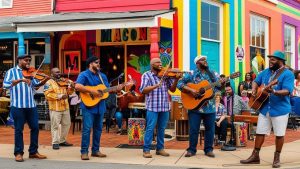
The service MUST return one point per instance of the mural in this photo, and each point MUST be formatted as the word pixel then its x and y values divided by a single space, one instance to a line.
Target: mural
pixel 165 52
pixel 138 62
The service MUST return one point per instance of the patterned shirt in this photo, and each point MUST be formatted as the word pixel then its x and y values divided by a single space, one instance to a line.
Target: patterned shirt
pixel 88 78
pixel 277 105
pixel 21 95
pixel 196 78
pixel 53 93
pixel 220 110
pixel 158 99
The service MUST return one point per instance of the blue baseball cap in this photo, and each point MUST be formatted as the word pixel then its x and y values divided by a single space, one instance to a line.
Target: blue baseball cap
pixel 278 54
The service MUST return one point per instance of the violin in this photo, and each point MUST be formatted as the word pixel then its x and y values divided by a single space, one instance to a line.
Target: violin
pixel 65 82
pixel 170 72
pixel 33 73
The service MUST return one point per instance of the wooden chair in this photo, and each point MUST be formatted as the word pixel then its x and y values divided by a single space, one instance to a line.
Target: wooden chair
pixel 77 119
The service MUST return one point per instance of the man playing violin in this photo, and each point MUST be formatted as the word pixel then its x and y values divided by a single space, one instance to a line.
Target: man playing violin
pixel 23 107
pixel 207 112
pixel 274 113
pixel 157 104
pixel 92 116
pixel 57 97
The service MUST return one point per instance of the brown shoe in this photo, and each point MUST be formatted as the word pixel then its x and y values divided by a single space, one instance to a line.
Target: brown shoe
pixel 37 156
pixel 162 152
pixel 253 159
pixel 99 154
pixel 210 154
pixel 276 161
pixel 19 158
pixel 147 154
pixel 189 154
pixel 85 157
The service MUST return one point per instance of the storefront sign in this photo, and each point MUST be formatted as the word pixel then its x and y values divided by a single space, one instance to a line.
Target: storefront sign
pixel 239 53
pixel 125 35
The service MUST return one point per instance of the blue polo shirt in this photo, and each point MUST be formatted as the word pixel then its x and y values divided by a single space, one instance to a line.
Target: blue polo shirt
pixel 277 105
pixel 88 78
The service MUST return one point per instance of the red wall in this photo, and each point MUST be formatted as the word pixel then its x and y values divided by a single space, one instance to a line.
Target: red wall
pixel 27 7
pixel 110 5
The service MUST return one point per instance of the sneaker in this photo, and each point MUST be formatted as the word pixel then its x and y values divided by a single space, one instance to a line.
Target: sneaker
pixel 162 152
pixel 147 154
pixel 55 146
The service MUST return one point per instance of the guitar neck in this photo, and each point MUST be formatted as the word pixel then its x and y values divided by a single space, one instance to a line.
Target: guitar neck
pixel 213 85
pixel 115 87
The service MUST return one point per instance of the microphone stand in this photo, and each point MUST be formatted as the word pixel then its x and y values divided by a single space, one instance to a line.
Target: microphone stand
pixel 230 146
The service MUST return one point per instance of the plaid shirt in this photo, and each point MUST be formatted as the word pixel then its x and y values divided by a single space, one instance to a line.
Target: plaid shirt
pixel 158 99
pixel 196 78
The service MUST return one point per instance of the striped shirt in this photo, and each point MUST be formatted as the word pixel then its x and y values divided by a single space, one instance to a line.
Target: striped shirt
pixel 158 99
pixel 53 93
pixel 21 95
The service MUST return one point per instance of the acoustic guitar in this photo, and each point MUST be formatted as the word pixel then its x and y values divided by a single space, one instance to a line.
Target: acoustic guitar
pixel 90 100
pixel 206 92
pixel 261 96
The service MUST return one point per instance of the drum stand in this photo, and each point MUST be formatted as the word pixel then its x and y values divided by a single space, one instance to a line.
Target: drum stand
pixel 230 146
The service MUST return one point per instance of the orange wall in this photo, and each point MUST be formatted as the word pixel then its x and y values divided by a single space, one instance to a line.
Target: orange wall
pixel 27 7
pixel 264 9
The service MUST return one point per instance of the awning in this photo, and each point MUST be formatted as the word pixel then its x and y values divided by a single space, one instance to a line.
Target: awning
pixel 92 21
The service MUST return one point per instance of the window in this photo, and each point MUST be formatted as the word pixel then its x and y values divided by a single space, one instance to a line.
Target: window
pixel 289 44
pixel 258 42
pixel 210 21
pixel 6 3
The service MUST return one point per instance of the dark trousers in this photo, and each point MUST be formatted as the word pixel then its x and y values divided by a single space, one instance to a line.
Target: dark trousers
pixel 21 116
pixel 222 130
pixel 195 118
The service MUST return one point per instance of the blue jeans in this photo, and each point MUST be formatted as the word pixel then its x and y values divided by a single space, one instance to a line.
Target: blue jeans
pixel 90 121
pixel 209 123
pixel 20 116
pixel 161 118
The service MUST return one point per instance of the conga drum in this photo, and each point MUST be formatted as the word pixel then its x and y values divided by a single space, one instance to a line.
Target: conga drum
pixel 182 130
pixel 241 134
pixel 178 111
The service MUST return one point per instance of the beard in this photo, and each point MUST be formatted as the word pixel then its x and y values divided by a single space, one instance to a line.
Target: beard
pixel 156 69
pixel 275 67
pixel 203 66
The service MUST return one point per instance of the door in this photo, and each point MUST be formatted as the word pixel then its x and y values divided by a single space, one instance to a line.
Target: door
pixel 212 51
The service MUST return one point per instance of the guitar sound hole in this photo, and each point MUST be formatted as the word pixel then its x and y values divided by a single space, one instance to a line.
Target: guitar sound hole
pixel 201 93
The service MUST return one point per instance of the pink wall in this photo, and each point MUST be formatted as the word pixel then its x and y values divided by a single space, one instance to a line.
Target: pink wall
pixel 110 5
pixel 26 7
pixel 263 9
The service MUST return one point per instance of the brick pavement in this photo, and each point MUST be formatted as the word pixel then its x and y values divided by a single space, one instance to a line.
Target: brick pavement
pixel 112 139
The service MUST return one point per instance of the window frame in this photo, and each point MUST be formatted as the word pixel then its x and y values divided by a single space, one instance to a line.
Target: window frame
pixel 292 30
pixel 3 7
pixel 266 35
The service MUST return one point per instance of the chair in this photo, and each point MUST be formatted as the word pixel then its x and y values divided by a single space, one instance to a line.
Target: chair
pixel 4 110
pixel 76 119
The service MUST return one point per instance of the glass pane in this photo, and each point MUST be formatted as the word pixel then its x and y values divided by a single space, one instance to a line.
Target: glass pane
pixel 214 31
pixel 257 58
pixel 205 29
pixel 257 40
pixel 252 31
pixel 214 14
pixel 288 56
pixel 205 11
pixel 262 33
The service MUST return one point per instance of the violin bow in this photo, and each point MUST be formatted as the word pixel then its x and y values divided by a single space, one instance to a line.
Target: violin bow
pixel 163 77
pixel 39 67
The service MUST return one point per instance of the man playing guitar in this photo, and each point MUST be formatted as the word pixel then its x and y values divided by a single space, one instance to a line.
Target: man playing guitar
pixel 275 111
pixel 92 116
pixel 207 112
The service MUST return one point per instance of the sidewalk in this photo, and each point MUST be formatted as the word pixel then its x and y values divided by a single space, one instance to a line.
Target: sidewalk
pixel 290 157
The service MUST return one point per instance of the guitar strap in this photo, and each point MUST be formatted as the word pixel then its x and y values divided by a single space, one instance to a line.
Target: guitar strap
pixel 278 74
pixel 101 78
